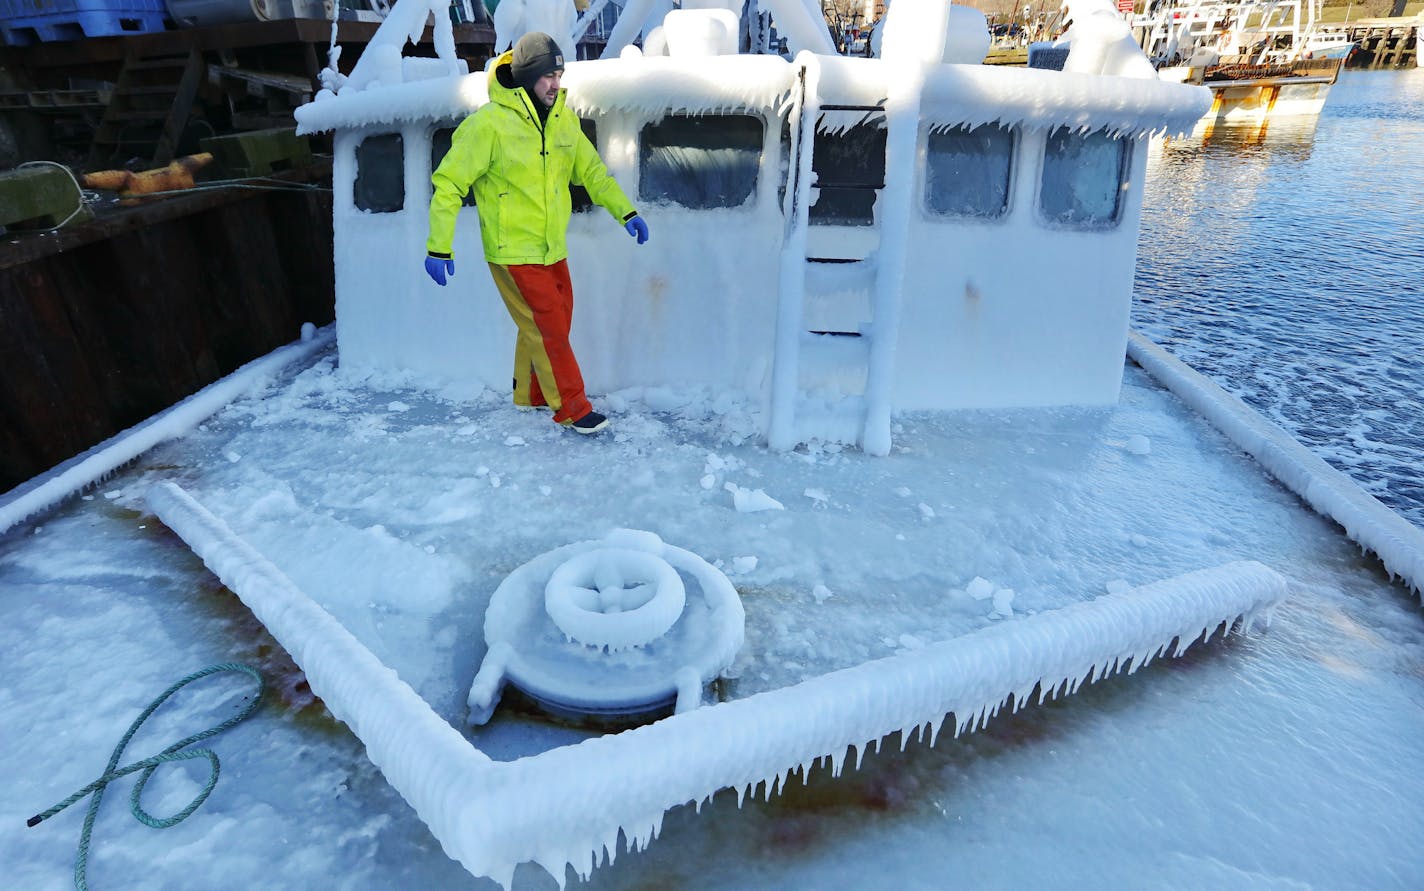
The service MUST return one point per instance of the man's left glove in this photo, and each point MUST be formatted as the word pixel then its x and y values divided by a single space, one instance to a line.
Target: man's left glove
pixel 637 228
pixel 439 267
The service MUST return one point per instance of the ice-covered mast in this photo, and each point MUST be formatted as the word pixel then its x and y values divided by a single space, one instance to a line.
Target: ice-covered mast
pixel 381 60
pixel 803 28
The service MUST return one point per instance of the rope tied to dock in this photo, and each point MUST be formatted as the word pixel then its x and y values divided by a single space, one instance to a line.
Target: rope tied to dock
pixel 175 752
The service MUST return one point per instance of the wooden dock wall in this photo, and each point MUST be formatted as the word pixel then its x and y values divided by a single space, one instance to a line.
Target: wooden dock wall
pixel 105 324
pixel 1380 43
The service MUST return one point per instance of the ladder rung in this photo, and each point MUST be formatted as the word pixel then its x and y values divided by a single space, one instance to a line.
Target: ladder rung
pixel 854 277
pixel 849 187
pixel 851 108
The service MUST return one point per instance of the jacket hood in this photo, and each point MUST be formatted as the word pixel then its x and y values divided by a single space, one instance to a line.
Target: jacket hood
pixel 502 88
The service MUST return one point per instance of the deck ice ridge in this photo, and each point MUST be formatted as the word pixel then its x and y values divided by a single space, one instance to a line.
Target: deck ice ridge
pixel 1398 543
pixel 569 806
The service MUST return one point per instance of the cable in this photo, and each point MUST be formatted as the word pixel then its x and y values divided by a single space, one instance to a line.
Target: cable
pixel 84 196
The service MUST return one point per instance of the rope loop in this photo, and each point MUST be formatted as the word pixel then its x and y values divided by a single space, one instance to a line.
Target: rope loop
pixel 175 752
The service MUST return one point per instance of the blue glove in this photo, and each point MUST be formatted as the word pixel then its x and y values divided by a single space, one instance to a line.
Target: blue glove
pixel 437 268
pixel 637 228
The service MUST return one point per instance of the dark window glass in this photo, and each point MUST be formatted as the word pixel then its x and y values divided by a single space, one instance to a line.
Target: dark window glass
pixel 380 174
pixel 967 171
pixel 439 147
pixel 704 161
pixel 849 168
pixel 578 194
pixel 1084 178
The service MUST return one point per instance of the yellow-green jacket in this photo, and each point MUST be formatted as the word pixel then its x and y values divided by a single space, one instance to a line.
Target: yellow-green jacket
pixel 521 174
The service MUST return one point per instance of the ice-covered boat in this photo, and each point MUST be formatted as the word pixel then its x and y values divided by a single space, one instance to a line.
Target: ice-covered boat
pixel 366 527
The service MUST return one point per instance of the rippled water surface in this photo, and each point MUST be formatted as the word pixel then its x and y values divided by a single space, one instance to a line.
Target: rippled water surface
pixel 1288 264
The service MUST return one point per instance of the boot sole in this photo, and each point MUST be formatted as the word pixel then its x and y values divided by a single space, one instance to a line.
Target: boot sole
pixel 589 431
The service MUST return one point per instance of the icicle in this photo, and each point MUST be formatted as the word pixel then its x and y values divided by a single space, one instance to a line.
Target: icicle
pixel 859 755
pixel 934 728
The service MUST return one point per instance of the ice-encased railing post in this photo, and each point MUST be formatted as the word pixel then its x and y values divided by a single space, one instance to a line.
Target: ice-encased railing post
pixel 1398 543
pixel 568 805
pixel 433 767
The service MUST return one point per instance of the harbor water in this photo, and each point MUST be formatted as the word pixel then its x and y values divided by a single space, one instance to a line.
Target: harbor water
pixel 1287 263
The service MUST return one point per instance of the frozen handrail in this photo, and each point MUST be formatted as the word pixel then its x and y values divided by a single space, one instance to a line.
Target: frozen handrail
pixel 1398 543
pixel 569 805
pixel 99 462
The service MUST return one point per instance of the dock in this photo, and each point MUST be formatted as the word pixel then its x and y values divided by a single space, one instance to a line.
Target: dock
pixel 1379 43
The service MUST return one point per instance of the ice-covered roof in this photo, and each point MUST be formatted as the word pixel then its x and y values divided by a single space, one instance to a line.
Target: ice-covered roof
pixel 953 94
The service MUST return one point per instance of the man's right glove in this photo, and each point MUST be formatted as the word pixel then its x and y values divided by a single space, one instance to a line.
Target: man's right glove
pixel 439 267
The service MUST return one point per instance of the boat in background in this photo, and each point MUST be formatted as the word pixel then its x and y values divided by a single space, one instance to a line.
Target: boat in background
pixel 1322 45
pixel 1259 57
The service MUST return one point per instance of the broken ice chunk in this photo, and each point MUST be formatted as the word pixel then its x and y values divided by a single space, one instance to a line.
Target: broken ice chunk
pixel 820 593
pixel 1138 444
pixel 1004 602
pixel 980 588
pixel 744 564
pixel 751 500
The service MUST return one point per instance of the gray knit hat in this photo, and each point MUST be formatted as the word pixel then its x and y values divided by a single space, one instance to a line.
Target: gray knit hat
pixel 535 55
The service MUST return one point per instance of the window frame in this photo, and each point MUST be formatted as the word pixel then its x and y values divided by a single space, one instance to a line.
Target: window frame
pixel 356 152
pixel 1123 182
pixel 1011 174
pixel 753 194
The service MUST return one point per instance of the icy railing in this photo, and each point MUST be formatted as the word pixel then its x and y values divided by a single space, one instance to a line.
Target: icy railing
pixel 1398 543
pixel 96 464
pixel 567 806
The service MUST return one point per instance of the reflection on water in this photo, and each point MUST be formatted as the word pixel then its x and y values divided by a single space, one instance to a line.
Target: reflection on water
pixel 1285 261
pixel 1289 136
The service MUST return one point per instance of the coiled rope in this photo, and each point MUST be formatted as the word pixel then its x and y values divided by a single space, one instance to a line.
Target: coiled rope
pixel 175 752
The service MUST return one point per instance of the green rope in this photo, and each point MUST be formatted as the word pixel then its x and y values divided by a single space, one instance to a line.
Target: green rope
pixel 148 765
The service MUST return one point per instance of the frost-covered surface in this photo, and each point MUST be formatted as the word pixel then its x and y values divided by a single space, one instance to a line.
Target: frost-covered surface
pixel 399 512
pixel 569 807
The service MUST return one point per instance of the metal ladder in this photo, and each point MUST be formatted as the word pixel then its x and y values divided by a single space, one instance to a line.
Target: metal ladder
pixel 796 414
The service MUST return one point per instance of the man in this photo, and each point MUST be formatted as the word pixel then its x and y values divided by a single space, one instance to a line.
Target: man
pixel 521 151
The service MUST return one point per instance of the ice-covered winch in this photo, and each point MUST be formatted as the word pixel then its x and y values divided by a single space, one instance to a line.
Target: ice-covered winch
pixel 622 629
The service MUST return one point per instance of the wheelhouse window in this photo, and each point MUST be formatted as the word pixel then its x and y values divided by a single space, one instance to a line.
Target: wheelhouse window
pixel 380 174
pixel 1084 179
pixel 439 148
pixel 702 161
pixel 967 171
pixel 849 166
pixel 578 195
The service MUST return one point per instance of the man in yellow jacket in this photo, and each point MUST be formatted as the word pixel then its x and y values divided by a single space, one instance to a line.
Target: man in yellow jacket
pixel 520 151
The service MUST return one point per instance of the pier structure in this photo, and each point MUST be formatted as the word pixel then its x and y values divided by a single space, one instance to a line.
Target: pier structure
pixel 1379 43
